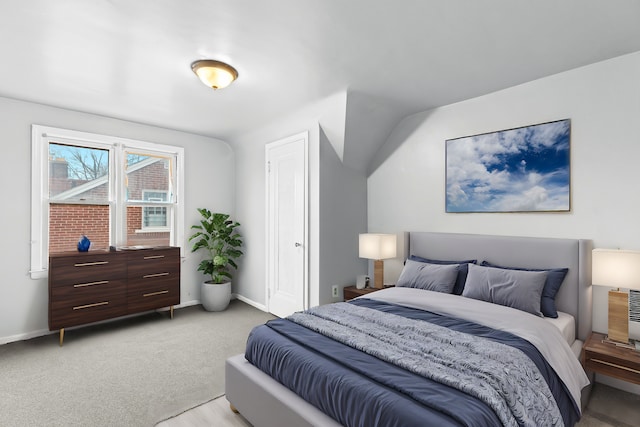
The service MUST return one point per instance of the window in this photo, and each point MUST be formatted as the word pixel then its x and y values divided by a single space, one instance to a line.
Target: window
pixel 154 217
pixel 116 191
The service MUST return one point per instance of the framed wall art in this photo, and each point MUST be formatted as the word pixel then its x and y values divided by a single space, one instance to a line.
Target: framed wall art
pixel 526 169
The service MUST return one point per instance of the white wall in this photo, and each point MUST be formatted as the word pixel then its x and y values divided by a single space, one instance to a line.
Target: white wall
pixel 406 192
pixel 343 215
pixel 209 167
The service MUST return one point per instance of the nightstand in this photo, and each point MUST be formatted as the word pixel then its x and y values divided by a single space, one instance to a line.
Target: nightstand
pixel 609 359
pixel 350 292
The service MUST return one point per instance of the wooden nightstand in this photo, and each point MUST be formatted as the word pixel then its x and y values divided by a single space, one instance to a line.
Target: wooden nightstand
pixel 608 359
pixel 350 292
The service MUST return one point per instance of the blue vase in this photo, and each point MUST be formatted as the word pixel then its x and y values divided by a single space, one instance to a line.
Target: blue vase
pixel 84 243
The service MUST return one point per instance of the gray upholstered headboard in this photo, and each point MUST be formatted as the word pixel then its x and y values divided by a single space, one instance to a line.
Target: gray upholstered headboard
pixel 574 296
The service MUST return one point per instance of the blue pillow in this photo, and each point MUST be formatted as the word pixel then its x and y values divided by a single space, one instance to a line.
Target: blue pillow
pixel 462 270
pixel 555 278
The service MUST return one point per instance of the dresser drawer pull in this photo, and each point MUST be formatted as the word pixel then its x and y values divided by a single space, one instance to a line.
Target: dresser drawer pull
pixel 154 257
pixel 149 276
pixel 152 294
pixel 82 285
pixel 635 371
pixel 88 264
pixel 80 307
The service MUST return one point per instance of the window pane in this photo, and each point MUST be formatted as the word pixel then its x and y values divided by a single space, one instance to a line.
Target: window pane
pixel 149 180
pixel 78 173
pixel 68 222
pixel 137 235
pixel 148 174
pixel 154 216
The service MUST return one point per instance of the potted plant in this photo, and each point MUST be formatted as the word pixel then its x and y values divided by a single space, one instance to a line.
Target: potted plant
pixel 217 236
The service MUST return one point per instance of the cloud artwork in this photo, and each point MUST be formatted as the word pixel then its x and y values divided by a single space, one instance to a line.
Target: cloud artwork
pixel 517 170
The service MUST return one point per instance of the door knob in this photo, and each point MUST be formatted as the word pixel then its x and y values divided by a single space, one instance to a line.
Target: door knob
pixel 298 244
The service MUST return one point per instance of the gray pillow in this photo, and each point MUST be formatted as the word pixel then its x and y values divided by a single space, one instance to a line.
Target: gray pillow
pixel 511 288
pixel 432 277
pixel 462 270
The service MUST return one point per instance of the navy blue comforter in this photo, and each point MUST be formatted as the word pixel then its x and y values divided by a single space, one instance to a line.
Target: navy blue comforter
pixel 357 389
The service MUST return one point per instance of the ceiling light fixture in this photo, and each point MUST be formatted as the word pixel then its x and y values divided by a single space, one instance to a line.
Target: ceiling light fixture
pixel 215 74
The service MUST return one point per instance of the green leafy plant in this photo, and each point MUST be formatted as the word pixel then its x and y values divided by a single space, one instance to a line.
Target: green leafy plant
pixel 216 234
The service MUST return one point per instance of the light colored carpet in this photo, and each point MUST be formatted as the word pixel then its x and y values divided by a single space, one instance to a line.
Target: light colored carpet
pixel 132 372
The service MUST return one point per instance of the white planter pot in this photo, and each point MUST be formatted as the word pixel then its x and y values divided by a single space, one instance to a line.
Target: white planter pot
pixel 215 296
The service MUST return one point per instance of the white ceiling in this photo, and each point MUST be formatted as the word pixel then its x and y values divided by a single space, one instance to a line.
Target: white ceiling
pixel 130 59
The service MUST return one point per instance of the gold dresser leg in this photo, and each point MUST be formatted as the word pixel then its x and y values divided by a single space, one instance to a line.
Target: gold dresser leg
pixel 233 409
pixel 61 336
pixel 171 310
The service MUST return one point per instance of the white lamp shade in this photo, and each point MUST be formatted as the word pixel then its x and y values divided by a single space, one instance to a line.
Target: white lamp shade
pixel 616 268
pixel 377 246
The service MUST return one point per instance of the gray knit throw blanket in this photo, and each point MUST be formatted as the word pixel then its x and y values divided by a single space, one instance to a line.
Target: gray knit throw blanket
pixel 501 376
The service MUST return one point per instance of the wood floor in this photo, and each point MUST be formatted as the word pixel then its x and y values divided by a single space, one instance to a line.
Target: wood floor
pixel 214 413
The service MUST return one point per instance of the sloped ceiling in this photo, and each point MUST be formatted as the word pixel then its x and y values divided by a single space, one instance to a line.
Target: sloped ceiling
pixel 131 59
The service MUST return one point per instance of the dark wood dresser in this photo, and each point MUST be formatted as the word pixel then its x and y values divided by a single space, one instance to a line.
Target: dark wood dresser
pixel 86 287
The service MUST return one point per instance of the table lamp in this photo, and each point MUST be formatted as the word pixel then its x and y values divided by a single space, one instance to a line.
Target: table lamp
pixel 377 247
pixel 620 269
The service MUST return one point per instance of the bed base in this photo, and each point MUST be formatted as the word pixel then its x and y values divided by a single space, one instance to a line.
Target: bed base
pixel 265 402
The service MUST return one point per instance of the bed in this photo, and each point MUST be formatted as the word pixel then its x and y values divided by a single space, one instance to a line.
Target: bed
pixel 344 390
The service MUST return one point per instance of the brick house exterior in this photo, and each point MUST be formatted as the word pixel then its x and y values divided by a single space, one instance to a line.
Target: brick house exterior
pixel 69 221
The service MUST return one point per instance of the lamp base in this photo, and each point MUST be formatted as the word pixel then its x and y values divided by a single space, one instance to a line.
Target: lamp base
pixel 378 274
pixel 618 317
pixel 630 344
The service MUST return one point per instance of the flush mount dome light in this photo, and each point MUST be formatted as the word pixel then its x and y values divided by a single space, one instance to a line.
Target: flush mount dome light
pixel 215 74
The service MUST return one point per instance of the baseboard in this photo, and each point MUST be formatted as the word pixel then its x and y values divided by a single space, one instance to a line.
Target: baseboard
pixel 260 307
pixel 246 300
pixel 43 332
pixel 25 336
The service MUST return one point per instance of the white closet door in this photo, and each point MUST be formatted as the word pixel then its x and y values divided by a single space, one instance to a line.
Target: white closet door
pixel 286 169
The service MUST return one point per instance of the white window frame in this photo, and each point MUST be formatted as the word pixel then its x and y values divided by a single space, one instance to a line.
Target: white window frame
pixel 41 136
